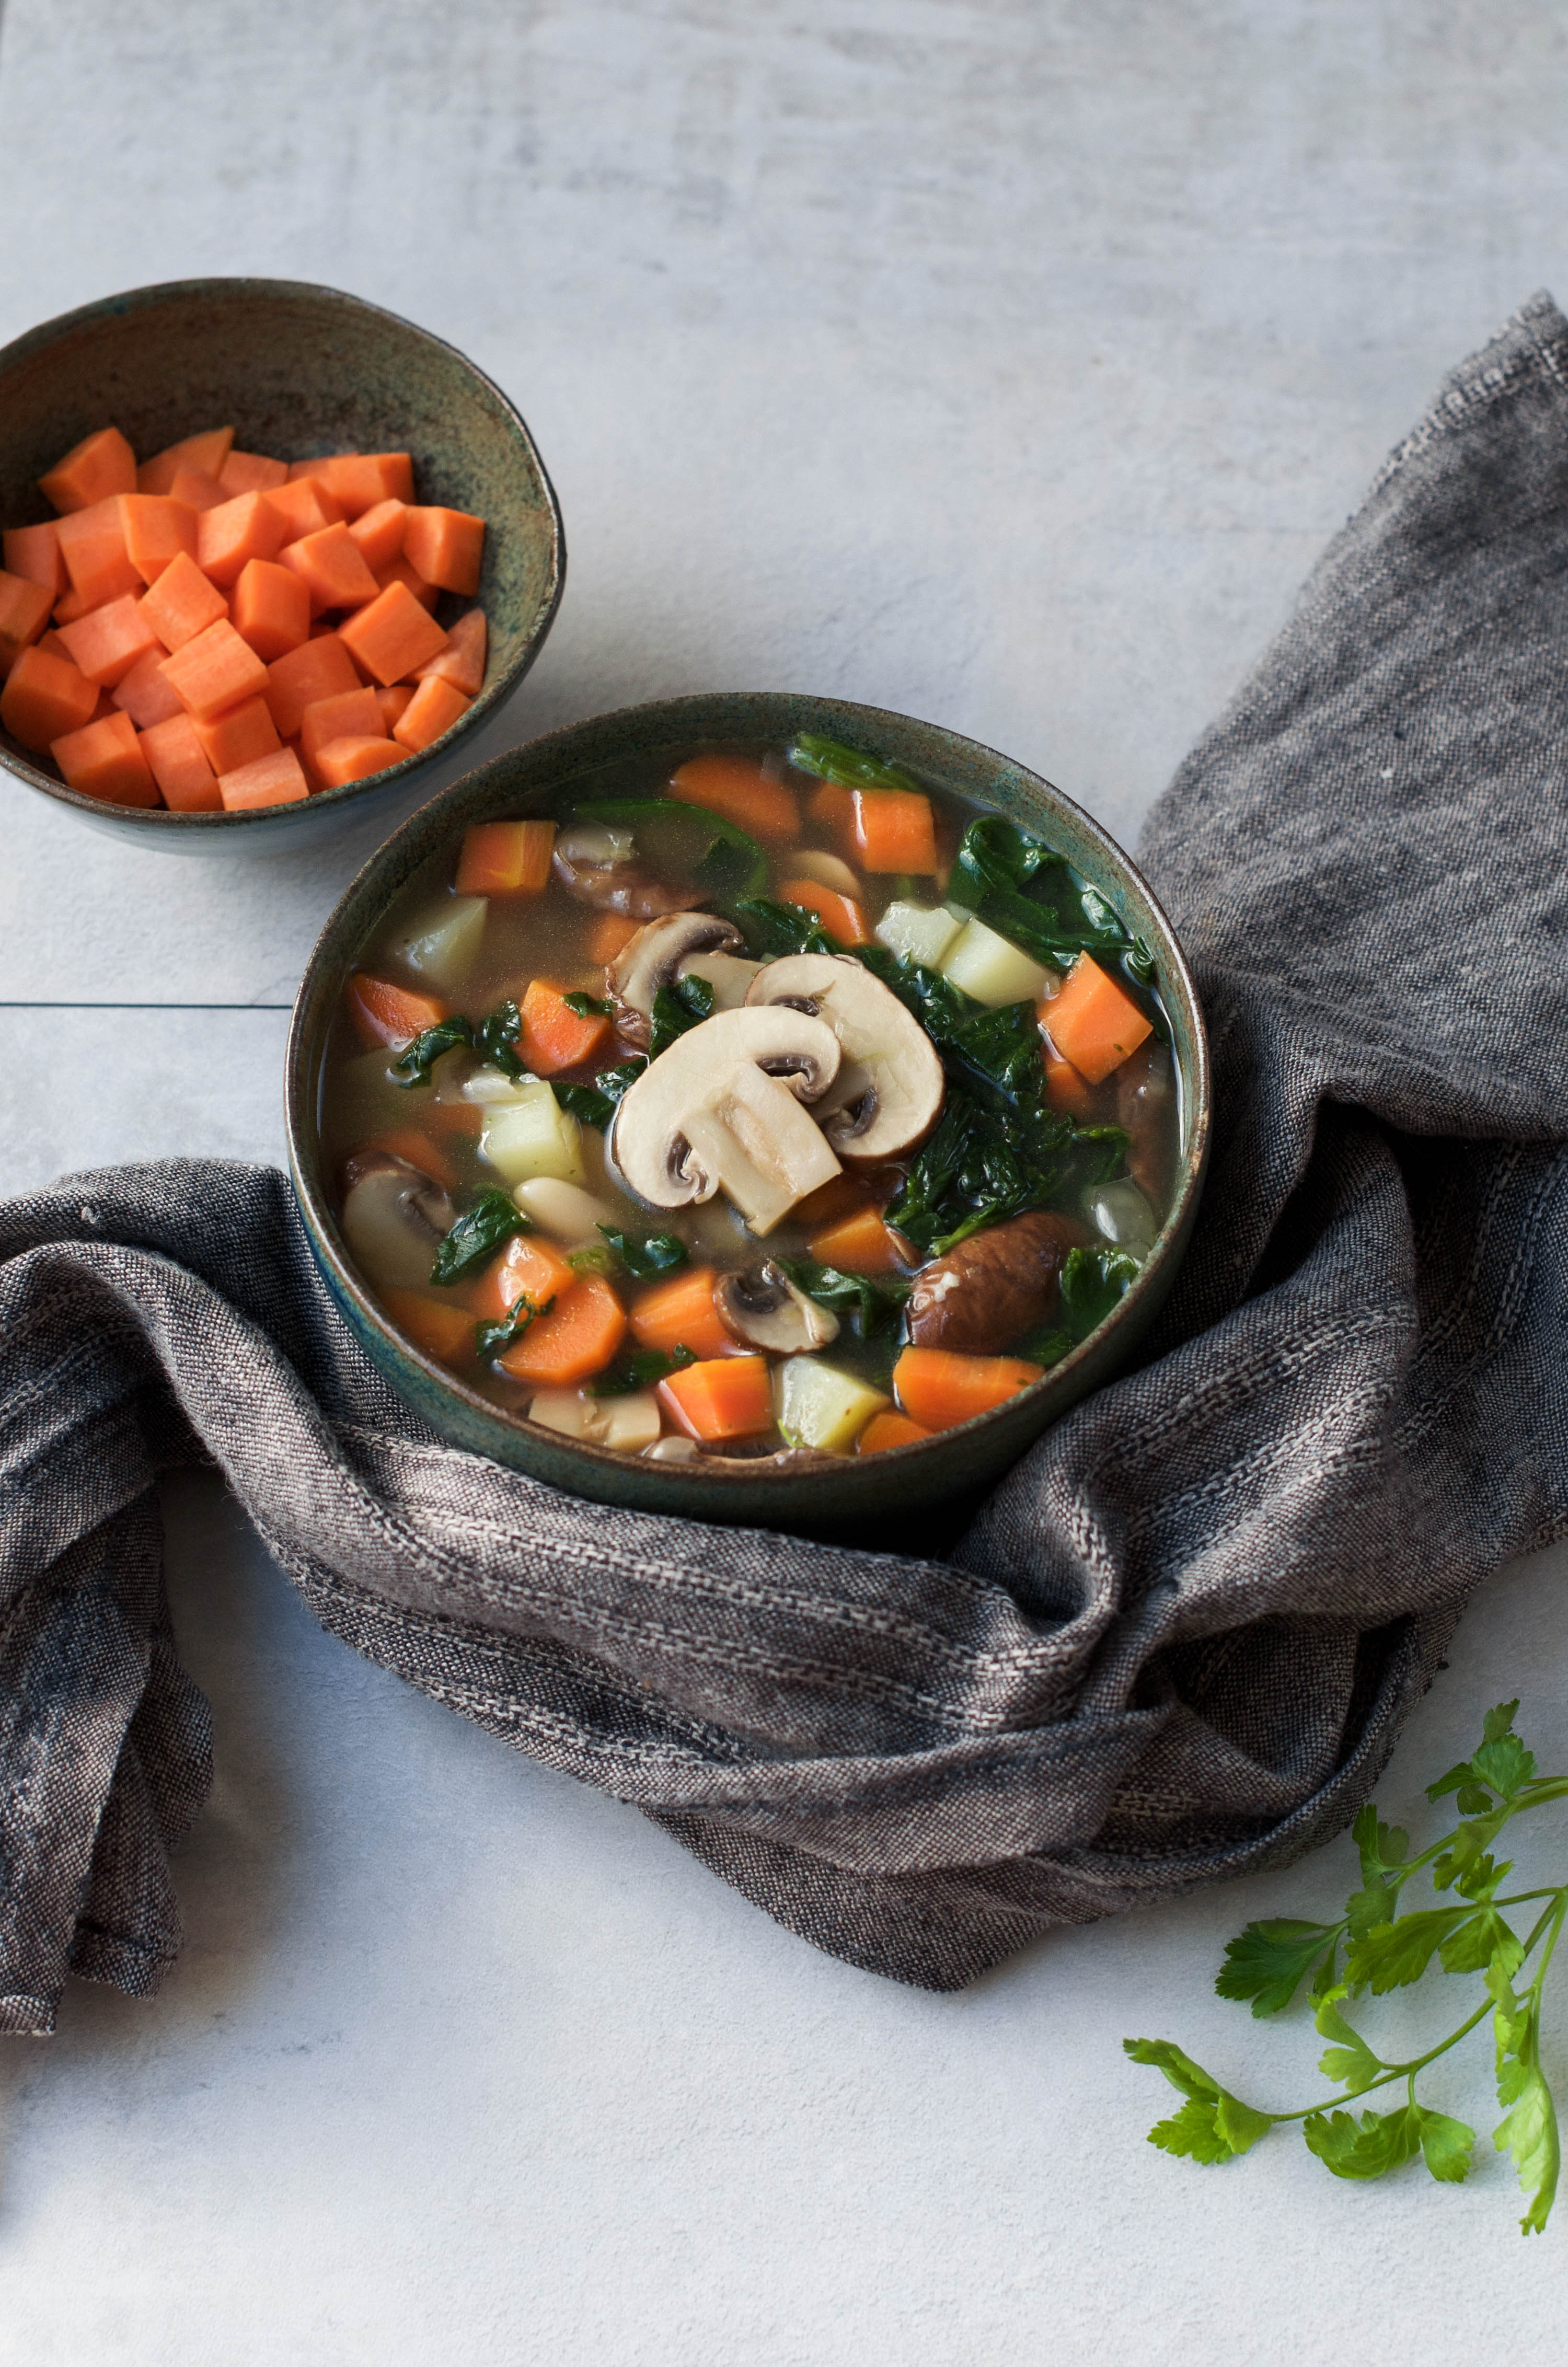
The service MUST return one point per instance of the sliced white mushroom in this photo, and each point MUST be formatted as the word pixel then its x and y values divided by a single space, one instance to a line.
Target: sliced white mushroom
pixel 828 870
pixel 763 1308
pixel 727 974
pixel 722 1110
pixel 631 1425
pixel 888 1094
pixel 394 1217
pixel 654 957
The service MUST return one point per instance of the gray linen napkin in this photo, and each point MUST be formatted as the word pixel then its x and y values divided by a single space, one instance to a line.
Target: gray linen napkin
pixel 1178 1640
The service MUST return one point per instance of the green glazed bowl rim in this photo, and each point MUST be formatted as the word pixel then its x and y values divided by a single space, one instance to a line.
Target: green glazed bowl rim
pixel 160 819
pixel 688 722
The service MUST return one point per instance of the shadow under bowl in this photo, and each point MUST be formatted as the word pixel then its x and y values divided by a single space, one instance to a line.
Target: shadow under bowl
pixel 299 371
pixel 868 1498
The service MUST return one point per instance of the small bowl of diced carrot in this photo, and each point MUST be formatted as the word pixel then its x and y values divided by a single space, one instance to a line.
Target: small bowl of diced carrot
pixel 268 552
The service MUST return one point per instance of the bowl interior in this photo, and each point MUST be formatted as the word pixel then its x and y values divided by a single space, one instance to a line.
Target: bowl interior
pixel 297 370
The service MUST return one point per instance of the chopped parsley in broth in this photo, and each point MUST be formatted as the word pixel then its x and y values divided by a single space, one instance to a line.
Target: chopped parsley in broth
pixel 755 1101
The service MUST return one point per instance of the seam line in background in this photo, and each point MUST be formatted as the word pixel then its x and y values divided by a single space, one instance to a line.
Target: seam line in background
pixel 145 1006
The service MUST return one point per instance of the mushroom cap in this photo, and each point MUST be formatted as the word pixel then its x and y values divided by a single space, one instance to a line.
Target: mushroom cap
pixel 650 1141
pixel 889 1089
pixel 763 1308
pixel 651 959
pixel 596 866
pixel 394 1217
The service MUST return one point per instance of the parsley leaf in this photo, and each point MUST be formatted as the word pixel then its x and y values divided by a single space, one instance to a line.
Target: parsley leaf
pixel 493 1219
pixel 590 1006
pixel 1269 1961
pixel 490 1339
pixel 683 1004
pixel 414 1062
pixel 595 1104
pixel 869 1303
pixel 640 1371
pixel 655 1253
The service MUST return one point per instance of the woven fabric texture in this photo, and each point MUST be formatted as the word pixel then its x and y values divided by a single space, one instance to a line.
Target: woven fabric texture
pixel 1177 1641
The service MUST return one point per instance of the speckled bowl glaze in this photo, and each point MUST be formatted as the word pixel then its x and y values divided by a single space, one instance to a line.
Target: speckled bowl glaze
pixel 838 1495
pixel 299 371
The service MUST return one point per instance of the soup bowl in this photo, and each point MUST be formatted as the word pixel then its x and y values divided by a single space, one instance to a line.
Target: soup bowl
pixel 818 1494
pixel 299 371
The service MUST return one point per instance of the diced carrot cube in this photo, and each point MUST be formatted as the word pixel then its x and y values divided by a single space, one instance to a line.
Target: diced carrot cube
pixel 24 616
pixel 1093 1022
pixel 238 736
pixel 393 1016
pixel 423 1151
pixel 92 471
pixel 144 693
pixel 940 1388
pixel 92 542
pixel 194 485
pixel 183 603
pixel 392 701
pixel 680 1313
pixel 444 1332
pixel 447 547
pixel 105 707
pixel 461 662
pixel 552 1037
pixel 885 1430
pixel 575 1340
pixel 378 532
pixel 859 1244
pixel 609 934
pixel 45 699
pixel 347 715
pixel 840 915
pixel 893 829
pixel 271 608
pixel 397 475
pixel 355 482
pixel 528 1267
pixel 737 787
pixel 1064 1088
pixel 434 709
pixel 352 759
pixel 391 636
pixel 729 1398
pixel 332 568
pixel 104 760
pixel 205 453
pixel 181 771
pixel 234 533
pixel 155 529
pixel 400 572
pixel 56 647
pixel 34 551
pixel 505 859
pixel 71 605
pixel 108 643
pixel 830 811
pixel 275 780
pixel 251 473
pixel 304 507
pixel 214 670
pixel 317 669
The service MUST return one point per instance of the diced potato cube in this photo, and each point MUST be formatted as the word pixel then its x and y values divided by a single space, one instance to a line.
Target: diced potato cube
pixel 816 1405
pixel 445 940
pixel 628 1424
pixel 991 969
pixel 922 934
pixel 532 1135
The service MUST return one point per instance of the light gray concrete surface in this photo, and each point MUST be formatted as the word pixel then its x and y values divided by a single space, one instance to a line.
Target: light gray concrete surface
pixel 1004 363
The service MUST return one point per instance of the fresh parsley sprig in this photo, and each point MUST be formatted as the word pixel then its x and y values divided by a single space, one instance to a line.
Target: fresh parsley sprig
pixel 1385 1950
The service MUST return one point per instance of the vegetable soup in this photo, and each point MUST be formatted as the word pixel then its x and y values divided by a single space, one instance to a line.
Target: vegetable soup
pixel 773 1102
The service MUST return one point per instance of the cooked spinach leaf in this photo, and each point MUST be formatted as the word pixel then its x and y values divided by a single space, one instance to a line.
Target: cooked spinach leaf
pixel 867 1303
pixel 641 1371
pixel 595 1103
pixel 683 1004
pixel 852 768
pixel 490 1339
pixel 1032 895
pixel 595 1258
pixel 493 1219
pixel 1092 1281
pixel 681 838
pixel 414 1062
pixel 984 1163
pixel 655 1253
pixel 1045 1347
pixel 496 1040
pixel 590 1006
pixel 772 929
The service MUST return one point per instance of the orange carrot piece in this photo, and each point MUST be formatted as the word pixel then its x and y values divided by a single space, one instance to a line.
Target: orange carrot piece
pixel 738 788
pixel 573 1342
pixel 183 603
pixel 355 758
pixel 554 1037
pixel 214 670
pixel 355 482
pixel 446 547
pixel 109 641
pixel 941 1389
pixel 859 1244
pixel 45 699
pixel 155 529
pixel 347 715
pixel 680 1313
pixel 181 771
pixel 885 1430
pixel 397 475
pixel 271 608
pixel 528 1267
pixel 275 780
pixel 332 568
pixel 729 1398
pixel 251 473
pixel 24 618
pixel 378 533
pixel 196 488
pixel 92 471
pixel 384 1013
pixel 1093 1022
pixel 393 701
pixel 433 709
pixel 34 551
pixel 206 453
pixel 893 829
pixel 54 644
pixel 610 933
pixel 92 543
pixel 840 915
pixel 444 1332
pixel 400 572
pixel 318 668
pixel 106 707
pixel 391 634
pixel 420 1150
pixel 238 736
pixel 830 812
pixel 104 760
pixel 461 662
pixel 71 606
pixel 146 697
pixel 305 507
pixel 505 859
pixel 230 536
pixel 1064 1088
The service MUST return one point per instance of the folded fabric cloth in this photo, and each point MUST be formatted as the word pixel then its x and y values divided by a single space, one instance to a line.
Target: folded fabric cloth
pixel 1177 1641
